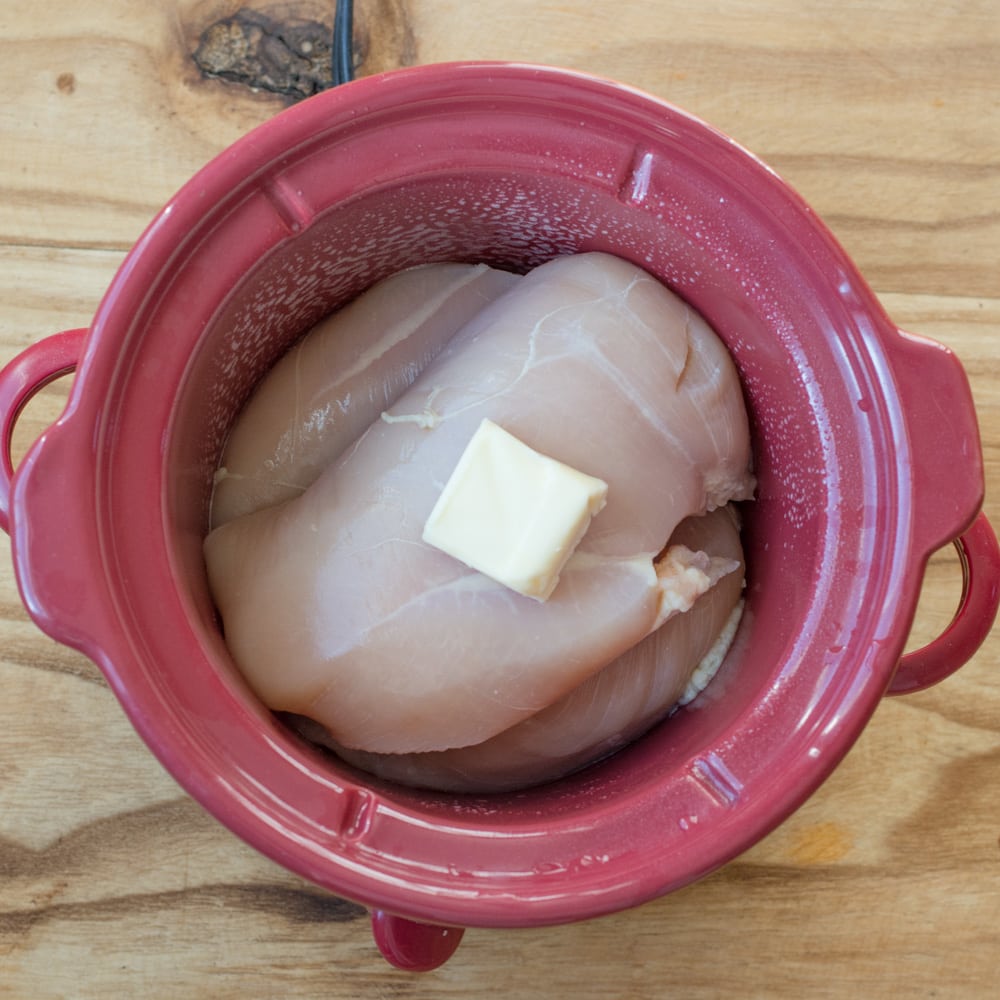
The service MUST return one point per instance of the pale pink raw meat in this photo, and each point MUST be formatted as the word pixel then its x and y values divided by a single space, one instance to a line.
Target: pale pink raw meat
pixel 607 711
pixel 335 609
pixel 321 395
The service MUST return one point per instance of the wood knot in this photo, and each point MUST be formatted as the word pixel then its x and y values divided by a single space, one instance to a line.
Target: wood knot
pixel 285 50
pixel 282 54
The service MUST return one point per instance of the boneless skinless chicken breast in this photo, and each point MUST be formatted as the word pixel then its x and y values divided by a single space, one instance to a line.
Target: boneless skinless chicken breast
pixel 323 394
pixel 608 710
pixel 336 610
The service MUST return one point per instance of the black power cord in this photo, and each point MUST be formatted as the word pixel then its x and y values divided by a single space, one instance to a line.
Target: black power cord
pixel 342 52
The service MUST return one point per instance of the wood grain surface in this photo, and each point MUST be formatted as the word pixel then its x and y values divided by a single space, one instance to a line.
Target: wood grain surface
pixel 886 117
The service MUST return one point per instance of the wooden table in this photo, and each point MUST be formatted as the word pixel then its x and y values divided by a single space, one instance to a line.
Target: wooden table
pixel 885 115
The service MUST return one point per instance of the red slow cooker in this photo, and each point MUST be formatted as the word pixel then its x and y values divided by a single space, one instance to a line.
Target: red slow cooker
pixel 865 440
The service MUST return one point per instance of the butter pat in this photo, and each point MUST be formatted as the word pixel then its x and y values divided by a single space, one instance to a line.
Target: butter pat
pixel 513 514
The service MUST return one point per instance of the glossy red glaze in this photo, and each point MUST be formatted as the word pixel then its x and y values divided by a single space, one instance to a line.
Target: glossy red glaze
pixel 412 946
pixel 980 557
pixel 25 375
pixel 859 480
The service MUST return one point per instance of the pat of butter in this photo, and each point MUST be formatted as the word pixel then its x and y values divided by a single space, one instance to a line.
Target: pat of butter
pixel 513 514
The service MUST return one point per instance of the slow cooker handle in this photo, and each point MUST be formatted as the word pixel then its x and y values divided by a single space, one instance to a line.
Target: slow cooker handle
pixel 944 465
pixel 979 553
pixel 32 370
pixel 413 946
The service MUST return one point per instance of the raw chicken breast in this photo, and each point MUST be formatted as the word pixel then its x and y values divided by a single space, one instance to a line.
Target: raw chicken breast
pixel 333 606
pixel 607 711
pixel 322 395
